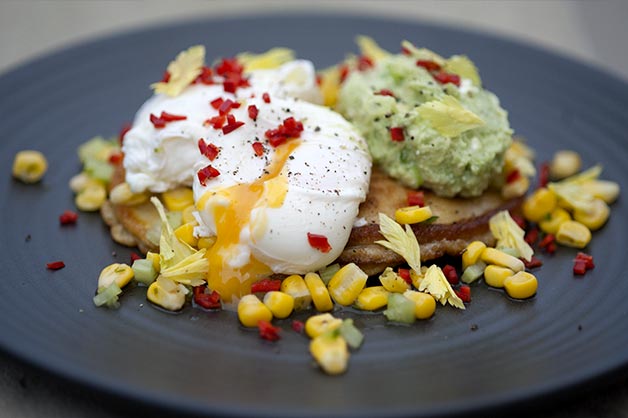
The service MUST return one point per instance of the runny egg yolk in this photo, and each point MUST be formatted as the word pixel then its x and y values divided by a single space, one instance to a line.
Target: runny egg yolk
pixel 230 219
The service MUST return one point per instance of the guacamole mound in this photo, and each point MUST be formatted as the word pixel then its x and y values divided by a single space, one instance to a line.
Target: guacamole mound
pixel 454 138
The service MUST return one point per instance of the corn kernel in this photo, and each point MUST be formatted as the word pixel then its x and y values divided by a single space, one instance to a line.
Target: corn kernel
pixel 493 256
pixel 596 217
pixel 295 286
pixel 521 285
pixel 331 353
pixel 154 257
pixel 372 298
pixel 346 284
pixel 205 242
pixel 552 222
pixel 120 274
pixel 539 204
pixel 280 304
pixel 494 276
pixel 91 198
pixel 413 214
pixel 186 234
pixel 187 215
pixel 29 166
pixel 167 294
pixel 472 254
pixel 564 164
pixel 416 277
pixel 393 282
pixel 251 310
pixel 81 181
pixel 573 234
pixel 320 324
pixel 606 190
pixel 122 195
pixel 320 294
pixel 177 199
pixel 425 304
pixel 516 188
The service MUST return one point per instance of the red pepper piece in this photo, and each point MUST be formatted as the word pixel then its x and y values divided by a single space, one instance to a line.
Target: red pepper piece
pixel 444 78
pixel 396 134
pixel 207 173
pixel 579 267
pixel 208 150
pixel 216 122
pixel 319 79
pixel 405 51
pixel 533 263
pixel 450 274
pixel 115 158
pixel 513 176
pixel 548 243
pixel 587 258
pixel 135 256
pixel 344 72
pixel 258 147
pixel 532 236
pixel 68 217
pixel 266 285
pixel 230 127
pixel 205 77
pixel 364 63
pixel 428 65
pixel 551 248
pixel 319 242
pixel 166 77
pixel 297 326
pixel 464 293
pixel 385 92
pixel 268 332
pixel 519 220
pixel 125 128
pixel 169 117
pixel 405 275
pixel 216 103
pixel 290 128
pixel 55 265
pixel 206 300
pixel 229 65
pixel 544 174
pixel 266 97
pixel 253 112
pixel 416 198
pixel 157 122
pixel 226 106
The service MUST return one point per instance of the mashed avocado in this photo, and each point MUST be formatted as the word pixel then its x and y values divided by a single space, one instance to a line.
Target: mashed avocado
pixel 454 138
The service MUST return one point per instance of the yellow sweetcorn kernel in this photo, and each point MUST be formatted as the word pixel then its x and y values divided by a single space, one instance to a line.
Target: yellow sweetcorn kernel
pixel 539 204
pixel 280 304
pixel 393 282
pixel 564 164
pixel 494 276
pixel 551 222
pixel 120 274
pixel 425 304
pixel 345 286
pixel 186 234
pixel 154 257
pixel 521 285
pixel 122 195
pixel 29 166
pixel 500 258
pixel 91 198
pixel 320 324
pixel 596 217
pixel 330 352
pixel 187 216
pixel 573 234
pixel 606 190
pixel 330 85
pixel 472 253
pixel 320 295
pixel 372 298
pixel 413 214
pixel 177 199
pixel 205 242
pixel 295 286
pixel 417 277
pixel 167 294
pixel 251 310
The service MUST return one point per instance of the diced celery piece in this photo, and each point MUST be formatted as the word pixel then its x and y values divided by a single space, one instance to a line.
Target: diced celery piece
pixel 99 170
pixel 351 334
pixel 473 272
pixel 175 219
pixel 144 271
pixel 108 296
pixel 400 309
pixel 96 148
pixel 328 272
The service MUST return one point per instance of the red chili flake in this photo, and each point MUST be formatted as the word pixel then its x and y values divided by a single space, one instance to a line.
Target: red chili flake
pixel 125 128
pixel 450 274
pixel 519 220
pixel 513 176
pixel 208 150
pixel 344 72
pixel 253 112
pixel 532 236
pixel 228 66
pixel 165 117
pixel 319 79
pixel 268 332
pixel 428 65
pixel 266 97
pixel 587 258
pixel 533 263
pixel 68 217
pixel 135 256
pixel 216 103
pixel 405 275
pixel 464 293
pixel 444 78
pixel 55 265
pixel 216 122
pixel 258 147
pixel 385 92
pixel 166 77
pixel 266 285
pixel 364 63
pixel 544 174
pixel 157 121
pixel 416 198
pixel 290 128
pixel 206 300
pixel 551 248
pixel 319 242
pixel 231 125
pixel 396 134
pixel 207 173
pixel 579 267
pixel 546 241
pixel 297 326
pixel 115 158
pixel 226 106
pixel 205 77
pixel 405 51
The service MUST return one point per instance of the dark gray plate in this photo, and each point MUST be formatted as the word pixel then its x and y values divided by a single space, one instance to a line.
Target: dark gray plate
pixel 574 331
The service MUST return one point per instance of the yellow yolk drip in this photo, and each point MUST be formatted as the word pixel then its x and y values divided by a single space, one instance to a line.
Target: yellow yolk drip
pixel 231 218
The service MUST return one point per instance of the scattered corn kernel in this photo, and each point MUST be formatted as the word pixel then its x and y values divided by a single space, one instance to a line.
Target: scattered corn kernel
pixel 187 215
pixel 372 298
pixel 416 277
pixel 521 285
pixel 320 324
pixel 346 284
pixel 393 282
pixel 154 257
pixel 551 222
pixel 493 256
pixel 516 188
pixel 120 274
pixel 564 164
pixel 331 353
pixel 606 190
pixel 413 214
pixel 29 166
pixel 425 304
pixel 318 290
pixel 122 195
pixel 167 294
pixel 81 181
pixel 205 242
pixel 177 199
pixel 295 286
pixel 539 204
pixel 573 234
pixel 251 310
pixel 280 304
pixel 91 198
pixel 494 276
pixel 472 253
pixel 186 234
pixel 596 217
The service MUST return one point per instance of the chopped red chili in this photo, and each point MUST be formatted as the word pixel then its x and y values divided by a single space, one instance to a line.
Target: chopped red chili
pixel 268 332
pixel 428 65
pixel 319 79
pixel 450 274
pixel 297 326
pixel 405 51
pixel 533 263
pixel 216 122
pixel 416 198
pixel 125 128
pixel 464 293
pixel 519 220
pixel 205 77
pixel 266 285
pixel 226 106
pixel 162 120
pixel 586 258
pixel 344 72
pixel 579 267
pixel 266 97
pixel 405 275
pixel 208 150
pixel 258 147
pixel 396 134
pixel 513 176
pixel 68 217
pixel 444 78
pixel 55 265
pixel 385 92
pixel 532 236
pixel 166 77
pixel 231 125
pixel 319 242
pixel 216 103
pixel 290 128
pixel 206 300
pixel 135 256
pixel 115 158
pixel 544 174
pixel 207 173
pixel 548 243
pixel 253 112
pixel 364 63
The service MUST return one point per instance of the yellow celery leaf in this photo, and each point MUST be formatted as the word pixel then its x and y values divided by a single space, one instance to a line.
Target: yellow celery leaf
pixel 509 235
pixel 191 271
pixel 590 174
pixel 464 67
pixel 422 53
pixel 449 117
pixel 369 48
pixel 401 242
pixel 171 249
pixel 435 283
pixel 268 60
pixel 571 192
pixel 183 71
